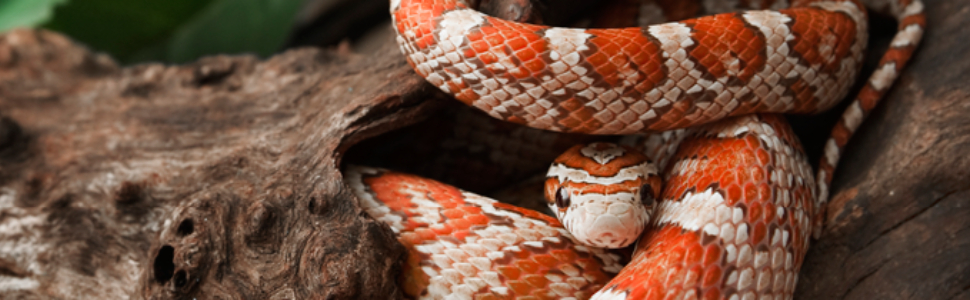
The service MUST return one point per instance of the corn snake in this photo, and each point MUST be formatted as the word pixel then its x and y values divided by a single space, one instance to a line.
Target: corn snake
pixel 739 204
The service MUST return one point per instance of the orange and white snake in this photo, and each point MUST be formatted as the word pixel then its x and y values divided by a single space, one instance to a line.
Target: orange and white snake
pixel 738 202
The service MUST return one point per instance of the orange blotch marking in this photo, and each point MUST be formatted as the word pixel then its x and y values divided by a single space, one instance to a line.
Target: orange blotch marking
pixel 759 233
pixel 712 254
pixel 841 134
pixel 520 73
pixel 693 277
pixel 415 279
pixel 511 273
pixel 563 255
pixel 650 292
pixel 520 288
pixel 441 230
pixel 426 234
pixel 537 281
pixel 547 261
pixel 488 58
pixel 543 294
pixel 527 54
pixel 764 192
pixel 804 94
pixel 754 212
pixel 712 294
pixel 516 43
pixel 459 224
pixel 816 29
pixel 478 219
pixel 693 254
pixel 771 212
pixel 461 234
pixel 410 238
pixel 534 65
pixel 527 267
pixel 617 48
pixel 467 96
pixel 453 213
pixel 712 276
pixel 763 157
pixel 751 192
pixel 575 159
pixel 726 46
pixel 508 39
pixel 734 192
pixel 869 97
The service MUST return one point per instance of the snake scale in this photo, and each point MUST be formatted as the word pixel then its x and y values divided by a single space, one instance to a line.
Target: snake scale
pixel 724 202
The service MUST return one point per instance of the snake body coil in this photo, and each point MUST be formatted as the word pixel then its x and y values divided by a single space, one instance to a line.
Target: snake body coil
pixel 739 203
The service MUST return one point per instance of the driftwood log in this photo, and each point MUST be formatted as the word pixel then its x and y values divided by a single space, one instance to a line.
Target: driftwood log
pixel 220 178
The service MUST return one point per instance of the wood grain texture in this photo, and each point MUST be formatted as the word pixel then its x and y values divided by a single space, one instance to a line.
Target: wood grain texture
pixel 216 179
pixel 898 225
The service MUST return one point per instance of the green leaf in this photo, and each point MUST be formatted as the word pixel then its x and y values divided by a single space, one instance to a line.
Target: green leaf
pixel 123 27
pixel 177 30
pixel 25 13
pixel 233 27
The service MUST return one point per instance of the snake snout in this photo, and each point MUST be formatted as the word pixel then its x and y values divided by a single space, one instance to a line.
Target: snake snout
pixel 607 224
pixel 610 232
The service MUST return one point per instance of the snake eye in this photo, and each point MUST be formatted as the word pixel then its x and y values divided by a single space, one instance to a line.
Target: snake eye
pixel 646 195
pixel 562 198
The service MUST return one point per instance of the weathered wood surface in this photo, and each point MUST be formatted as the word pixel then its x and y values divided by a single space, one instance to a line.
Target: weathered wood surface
pixel 220 178
pixel 216 179
pixel 898 225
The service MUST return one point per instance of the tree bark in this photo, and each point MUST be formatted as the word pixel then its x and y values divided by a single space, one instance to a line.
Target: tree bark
pixel 217 179
pixel 898 223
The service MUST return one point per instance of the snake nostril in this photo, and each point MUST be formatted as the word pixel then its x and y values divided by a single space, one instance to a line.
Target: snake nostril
pixel 646 195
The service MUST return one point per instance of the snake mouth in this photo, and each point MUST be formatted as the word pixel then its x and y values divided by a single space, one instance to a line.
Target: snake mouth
pixel 606 222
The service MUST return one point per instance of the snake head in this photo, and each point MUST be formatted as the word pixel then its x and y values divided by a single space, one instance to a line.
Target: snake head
pixel 603 193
